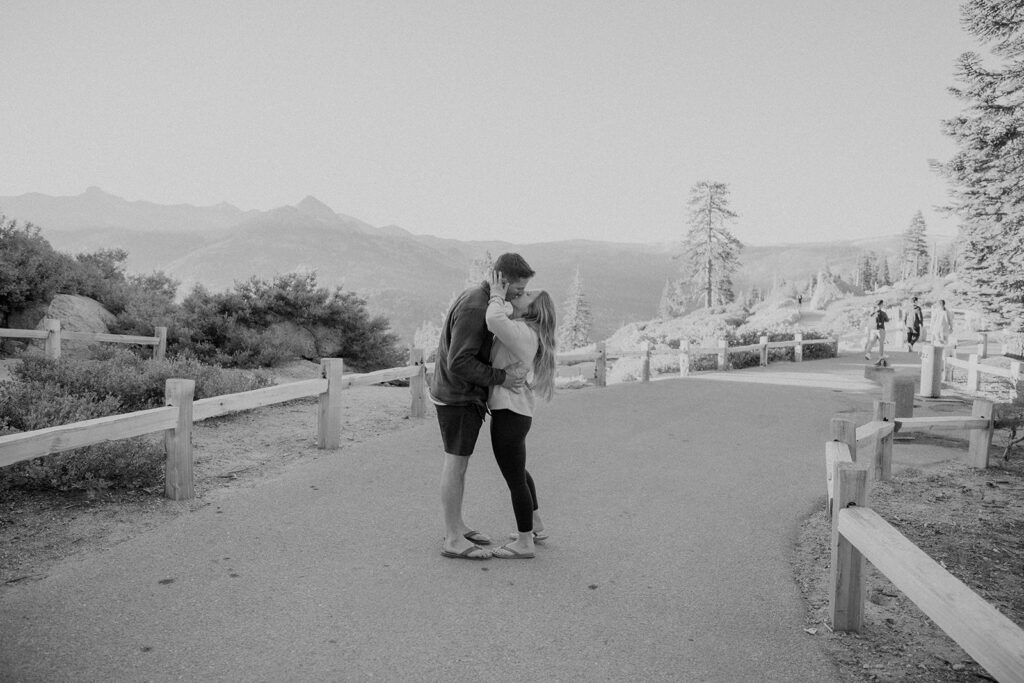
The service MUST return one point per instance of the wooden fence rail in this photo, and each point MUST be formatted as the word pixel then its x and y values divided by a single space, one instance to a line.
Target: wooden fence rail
pixel 52 336
pixel 859 534
pixel 601 355
pixel 181 411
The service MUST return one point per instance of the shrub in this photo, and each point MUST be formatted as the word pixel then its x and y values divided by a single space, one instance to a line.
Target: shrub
pixel 136 383
pixel 125 464
pixel 236 327
pixel 45 393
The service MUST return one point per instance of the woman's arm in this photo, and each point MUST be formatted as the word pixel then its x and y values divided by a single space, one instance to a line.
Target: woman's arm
pixel 517 336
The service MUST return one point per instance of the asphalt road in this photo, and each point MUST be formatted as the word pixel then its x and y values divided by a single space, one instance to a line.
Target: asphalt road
pixel 673 508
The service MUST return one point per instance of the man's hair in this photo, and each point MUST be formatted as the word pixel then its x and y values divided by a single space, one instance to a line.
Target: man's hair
pixel 879 302
pixel 914 300
pixel 514 267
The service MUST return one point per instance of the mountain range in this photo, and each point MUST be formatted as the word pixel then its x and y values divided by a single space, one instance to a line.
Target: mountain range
pixel 409 278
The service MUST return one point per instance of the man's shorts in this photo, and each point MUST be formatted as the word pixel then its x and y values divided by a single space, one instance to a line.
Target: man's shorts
pixel 460 426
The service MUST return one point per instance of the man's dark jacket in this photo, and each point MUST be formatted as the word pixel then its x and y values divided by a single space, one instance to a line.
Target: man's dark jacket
pixel 463 373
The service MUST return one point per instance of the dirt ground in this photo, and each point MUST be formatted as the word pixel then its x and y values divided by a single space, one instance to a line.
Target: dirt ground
pixel 970 520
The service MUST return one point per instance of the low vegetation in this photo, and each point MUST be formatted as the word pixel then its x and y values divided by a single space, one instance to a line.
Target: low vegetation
pixel 44 393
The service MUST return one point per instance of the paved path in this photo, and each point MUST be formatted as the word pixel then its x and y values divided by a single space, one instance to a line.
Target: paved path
pixel 672 508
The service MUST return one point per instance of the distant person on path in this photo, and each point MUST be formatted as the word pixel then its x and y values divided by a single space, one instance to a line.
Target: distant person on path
pixel 527 338
pixel 913 319
pixel 942 323
pixel 461 385
pixel 876 330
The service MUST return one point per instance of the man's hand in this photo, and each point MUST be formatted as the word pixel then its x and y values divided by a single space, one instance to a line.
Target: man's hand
pixel 499 285
pixel 515 377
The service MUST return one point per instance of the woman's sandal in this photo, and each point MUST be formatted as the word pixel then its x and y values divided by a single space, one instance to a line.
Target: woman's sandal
pixel 506 553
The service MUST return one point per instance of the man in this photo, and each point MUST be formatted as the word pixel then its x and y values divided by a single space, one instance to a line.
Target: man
pixel 912 322
pixel 462 380
pixel 876 330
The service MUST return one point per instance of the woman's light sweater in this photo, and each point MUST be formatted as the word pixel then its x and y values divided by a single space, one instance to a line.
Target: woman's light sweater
pixel 514 342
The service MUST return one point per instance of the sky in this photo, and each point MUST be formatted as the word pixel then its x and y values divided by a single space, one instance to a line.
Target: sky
pixel 526 121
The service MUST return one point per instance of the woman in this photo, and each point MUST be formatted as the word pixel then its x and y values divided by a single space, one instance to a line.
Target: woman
pixel 942 323
pixel 526 340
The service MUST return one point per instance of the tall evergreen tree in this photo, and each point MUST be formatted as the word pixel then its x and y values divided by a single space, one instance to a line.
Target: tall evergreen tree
pixel 867 270
pixel 986 172
pixel 674 299
pixel 574 330
pixel 710 252
pixel 882 276
pixel 914 252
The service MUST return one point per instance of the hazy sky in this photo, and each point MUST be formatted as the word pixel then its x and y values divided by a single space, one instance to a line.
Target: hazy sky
pixel 527 121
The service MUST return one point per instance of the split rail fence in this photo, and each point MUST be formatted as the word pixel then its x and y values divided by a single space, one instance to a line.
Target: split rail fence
pixel 181 411
pixel 688 351
pixel 52 336
pixel 856 457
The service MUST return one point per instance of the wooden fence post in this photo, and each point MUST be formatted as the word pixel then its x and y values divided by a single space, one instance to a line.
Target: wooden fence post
pixel 51 347
pixel 846 572
pixel 763 341
pixel 844 429
pixel 178 481
pixel 973 376
pixel 601 365
pixel 684 357
pixel 798 348
pixel 931 371
pixel 983 345
pixel 329 416
pixel 835 451
pixel 645 361
pixel 723 355
pixel 160 350
pixel 418 384
pixel 980 439
pixel 884 411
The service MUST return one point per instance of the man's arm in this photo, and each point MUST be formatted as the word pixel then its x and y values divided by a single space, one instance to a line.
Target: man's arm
pixel 468 330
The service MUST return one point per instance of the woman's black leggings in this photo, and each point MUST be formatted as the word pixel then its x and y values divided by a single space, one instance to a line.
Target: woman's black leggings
pixel 508 440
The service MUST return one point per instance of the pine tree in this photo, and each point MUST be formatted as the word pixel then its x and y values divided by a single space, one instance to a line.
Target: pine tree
pixel 710 252
pixel 674 299
pixel 914 252
pixel 985 174
pixel 882 277
pixel 867 270
pixel 574 330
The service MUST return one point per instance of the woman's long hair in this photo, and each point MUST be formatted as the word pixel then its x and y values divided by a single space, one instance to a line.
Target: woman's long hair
pixel 541 317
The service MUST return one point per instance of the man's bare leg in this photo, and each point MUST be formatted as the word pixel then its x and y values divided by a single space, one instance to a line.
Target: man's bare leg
pixel 453 485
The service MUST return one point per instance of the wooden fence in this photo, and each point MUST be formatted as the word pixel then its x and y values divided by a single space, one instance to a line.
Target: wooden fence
pixel 175 420
pixel 180 412
pixel 687 351
pixel 52 336
pixel 855 457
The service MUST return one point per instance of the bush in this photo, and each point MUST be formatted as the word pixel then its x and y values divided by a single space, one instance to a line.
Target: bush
pixel 135 382
pixel 237 328
pixel 135 463
pixel 45 393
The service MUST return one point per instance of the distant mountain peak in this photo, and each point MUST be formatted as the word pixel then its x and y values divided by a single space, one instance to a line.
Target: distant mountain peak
pixel 311 206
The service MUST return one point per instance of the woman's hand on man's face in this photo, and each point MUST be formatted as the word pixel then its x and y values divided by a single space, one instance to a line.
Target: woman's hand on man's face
pixel 499 286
